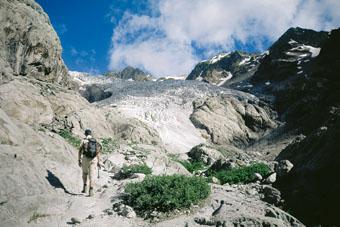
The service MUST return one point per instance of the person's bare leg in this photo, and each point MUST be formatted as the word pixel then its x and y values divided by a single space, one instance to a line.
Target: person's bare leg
pixel 84 182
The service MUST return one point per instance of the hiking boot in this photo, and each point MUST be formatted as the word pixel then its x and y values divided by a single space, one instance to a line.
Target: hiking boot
pixel 84 189
pixel 91 193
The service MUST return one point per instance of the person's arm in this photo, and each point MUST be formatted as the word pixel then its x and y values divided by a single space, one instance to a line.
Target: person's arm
pixel 80 152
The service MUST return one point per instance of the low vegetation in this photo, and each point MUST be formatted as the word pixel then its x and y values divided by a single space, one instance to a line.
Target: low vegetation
pixel 70 138
pixel 244 174
pixel 108 145
pixel 193 166
pixel 166 193
pixel 35 216
pixel 127 171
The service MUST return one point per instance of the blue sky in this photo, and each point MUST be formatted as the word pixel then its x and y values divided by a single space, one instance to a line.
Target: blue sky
pixel 85 29
pixel 168 37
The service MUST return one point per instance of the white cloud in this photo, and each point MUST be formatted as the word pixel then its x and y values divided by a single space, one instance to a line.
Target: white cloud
pixel 163 44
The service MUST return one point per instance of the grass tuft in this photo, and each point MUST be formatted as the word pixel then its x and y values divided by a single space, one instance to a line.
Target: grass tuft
pixel 108 145
pixel 127 171
pixel 70 138
pixel 193 165
pixel 35 216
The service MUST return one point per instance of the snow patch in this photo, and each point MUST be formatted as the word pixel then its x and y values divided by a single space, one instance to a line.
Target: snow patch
pixel 266 53
pixel 244 61
pixel 229 76
pixel 292 41
pixel 218 57
pixel 199 78
pixel 313 50
pixel 267 83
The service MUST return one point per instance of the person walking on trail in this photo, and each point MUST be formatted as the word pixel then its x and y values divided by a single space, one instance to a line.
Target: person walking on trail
pixel 88 159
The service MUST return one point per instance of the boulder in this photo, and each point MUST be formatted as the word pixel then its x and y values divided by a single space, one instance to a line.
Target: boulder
pixel 271 195
pixel 258 177
pixel 205 154
pixel 270 179
pixel 222 164
pixel 232 121
pixel 124 210
pixel 283 167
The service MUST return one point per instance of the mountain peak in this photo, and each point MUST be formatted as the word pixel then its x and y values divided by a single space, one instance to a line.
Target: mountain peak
pixel 129 73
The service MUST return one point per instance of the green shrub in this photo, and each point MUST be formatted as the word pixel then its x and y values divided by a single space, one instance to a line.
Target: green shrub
pixel 166 193
pixel 69 137
pixel 193 166
pixel 36 216
pixel 108 145
pixel 127 171
pixel 242 174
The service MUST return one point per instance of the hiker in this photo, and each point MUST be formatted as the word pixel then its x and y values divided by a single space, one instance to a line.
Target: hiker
pixel 88 159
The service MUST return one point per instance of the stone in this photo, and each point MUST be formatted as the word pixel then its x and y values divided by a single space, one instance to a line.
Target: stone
pixel 215 180
pixel 138 176
pixel 283 167
pixel 258 177
pixel 205 154
pixel 91 216
pixel 75 220
pixel 222 164
pixel 124 210
pixel 271 195
pixel 271 179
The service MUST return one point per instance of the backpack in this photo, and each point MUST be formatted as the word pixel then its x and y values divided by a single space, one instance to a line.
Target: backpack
pixel 91 148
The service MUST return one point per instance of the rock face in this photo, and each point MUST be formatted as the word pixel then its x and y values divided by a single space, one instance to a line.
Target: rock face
pixel 229 120
pixel 310 187
pixel 29 45
pixel 225 69
pixel 300 77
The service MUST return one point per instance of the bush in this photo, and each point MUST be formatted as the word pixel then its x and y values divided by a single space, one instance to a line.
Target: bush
pixel 108 145
pixel 127 171
pixel 241 174
pixel 193 166
pixel 70 138
pixel 166 193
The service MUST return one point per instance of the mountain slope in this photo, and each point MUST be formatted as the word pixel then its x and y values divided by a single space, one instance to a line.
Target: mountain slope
pixel 299 77
pixel 225 69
